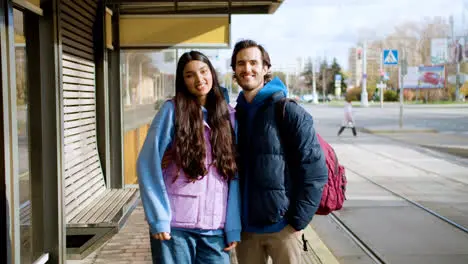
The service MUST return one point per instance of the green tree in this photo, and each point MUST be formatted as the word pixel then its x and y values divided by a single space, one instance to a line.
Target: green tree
pixel 334 70
pixel 308 76
pixel 324 73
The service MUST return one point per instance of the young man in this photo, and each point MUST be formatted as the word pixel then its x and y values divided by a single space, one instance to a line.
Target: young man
pixel 281 178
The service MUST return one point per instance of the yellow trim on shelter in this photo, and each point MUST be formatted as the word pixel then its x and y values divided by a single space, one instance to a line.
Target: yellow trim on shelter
pixel 157 31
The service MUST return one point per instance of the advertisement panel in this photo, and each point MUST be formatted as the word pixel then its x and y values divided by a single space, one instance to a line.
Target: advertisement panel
pixel 425 77
pixel 448 50
pixel 456 49
pixel 411 79
pixel 439 51
pixel 431 77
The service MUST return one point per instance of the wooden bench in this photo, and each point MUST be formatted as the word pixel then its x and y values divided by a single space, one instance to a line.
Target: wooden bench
pixel 110 209
pixel 105 210
pixel 93 224
pixel 97 221
pixel 93 211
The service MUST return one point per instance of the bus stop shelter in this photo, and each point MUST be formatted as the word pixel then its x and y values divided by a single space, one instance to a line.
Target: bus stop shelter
pixel 77 99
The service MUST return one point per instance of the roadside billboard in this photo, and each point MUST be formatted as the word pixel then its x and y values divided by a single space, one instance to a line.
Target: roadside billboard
pixel 448 50
pixel 456 49
pixel 439 50
pixel 424 77
pixel 431 77
pixel 411 79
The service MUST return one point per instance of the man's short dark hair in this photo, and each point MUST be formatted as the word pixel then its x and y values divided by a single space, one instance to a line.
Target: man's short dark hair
pixel 245 44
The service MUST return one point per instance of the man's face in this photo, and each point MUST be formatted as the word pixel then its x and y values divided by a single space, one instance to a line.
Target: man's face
pixel 250 70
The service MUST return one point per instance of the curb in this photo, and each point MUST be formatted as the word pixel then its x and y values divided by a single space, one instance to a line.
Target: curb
pixel 320 250
pixel 396 130
pixel 454 150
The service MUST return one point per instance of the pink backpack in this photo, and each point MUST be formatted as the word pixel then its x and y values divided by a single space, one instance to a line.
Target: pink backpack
pixel 333 195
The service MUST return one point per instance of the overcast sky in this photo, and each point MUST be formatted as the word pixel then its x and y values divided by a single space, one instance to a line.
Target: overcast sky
pixel 302 28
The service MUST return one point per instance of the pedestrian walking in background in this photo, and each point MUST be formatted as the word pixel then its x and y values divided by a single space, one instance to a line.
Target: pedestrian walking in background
pixel 348 121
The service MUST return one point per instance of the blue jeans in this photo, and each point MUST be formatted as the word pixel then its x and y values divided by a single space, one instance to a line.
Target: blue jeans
pixel 189 248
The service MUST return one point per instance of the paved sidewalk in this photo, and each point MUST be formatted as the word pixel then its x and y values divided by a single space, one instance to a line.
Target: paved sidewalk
pixel 437 182
pixel 456 144
pixel 131 245
pixel 453 144
pixel 432 179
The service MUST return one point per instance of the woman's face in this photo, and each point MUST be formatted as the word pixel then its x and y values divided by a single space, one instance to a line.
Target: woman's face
pixel 198 79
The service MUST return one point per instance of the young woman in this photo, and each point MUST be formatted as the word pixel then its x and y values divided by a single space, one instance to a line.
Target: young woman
pixel 192 204
pixel 348 118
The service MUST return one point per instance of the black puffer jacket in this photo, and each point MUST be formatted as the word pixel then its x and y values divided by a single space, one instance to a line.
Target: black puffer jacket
pixel 276 188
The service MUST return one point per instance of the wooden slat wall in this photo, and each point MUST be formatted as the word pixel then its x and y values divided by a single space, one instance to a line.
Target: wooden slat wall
pixel 84 180
pixel 142 131
pixel 130 156
pixel 133 141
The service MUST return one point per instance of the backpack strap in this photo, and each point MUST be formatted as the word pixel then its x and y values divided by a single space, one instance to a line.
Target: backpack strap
pixel 280 113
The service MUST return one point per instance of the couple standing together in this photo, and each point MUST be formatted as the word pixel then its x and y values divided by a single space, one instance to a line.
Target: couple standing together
pixel 213 178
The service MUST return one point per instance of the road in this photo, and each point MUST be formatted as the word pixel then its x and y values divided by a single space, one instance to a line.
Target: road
pixel 444 119
pixel 406 204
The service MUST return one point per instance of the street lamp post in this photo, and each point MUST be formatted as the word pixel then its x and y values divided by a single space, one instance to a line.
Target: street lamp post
pixel 382 76
pixel 314 84
pixel 457 54
pixel 324 81
pixel 364 101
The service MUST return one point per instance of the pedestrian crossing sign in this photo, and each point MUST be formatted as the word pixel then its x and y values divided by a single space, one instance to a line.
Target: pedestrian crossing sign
pixel 390 57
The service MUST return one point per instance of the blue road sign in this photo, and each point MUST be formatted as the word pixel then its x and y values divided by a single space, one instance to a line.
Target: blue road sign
pixel 390 57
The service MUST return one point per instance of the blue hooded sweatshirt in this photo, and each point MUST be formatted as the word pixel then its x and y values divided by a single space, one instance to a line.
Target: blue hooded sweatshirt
pixel 153 189
pixel 270 88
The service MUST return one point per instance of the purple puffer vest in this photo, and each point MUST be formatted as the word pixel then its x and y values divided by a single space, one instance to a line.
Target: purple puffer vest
pixel 201 204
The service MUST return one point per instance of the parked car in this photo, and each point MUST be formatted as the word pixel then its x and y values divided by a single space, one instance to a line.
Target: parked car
pixel 309 98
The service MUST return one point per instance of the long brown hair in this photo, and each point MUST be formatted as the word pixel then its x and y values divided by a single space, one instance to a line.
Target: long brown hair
pixel 190 152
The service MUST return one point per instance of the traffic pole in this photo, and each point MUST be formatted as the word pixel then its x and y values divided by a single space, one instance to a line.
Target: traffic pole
pixel 364 100
pixel 382 74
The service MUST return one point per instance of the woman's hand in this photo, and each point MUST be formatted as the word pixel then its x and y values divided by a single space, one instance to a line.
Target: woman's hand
pixel 162 236
pixel 231 246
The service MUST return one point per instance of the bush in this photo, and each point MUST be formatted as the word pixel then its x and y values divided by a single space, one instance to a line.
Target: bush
pixel 464 89
pixel 436 95
pixel 354 94
pixel 390 96
pixel 408 95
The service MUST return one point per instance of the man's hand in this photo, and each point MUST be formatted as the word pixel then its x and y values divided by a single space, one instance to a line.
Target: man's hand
pixel 231 246
pixel 298 233
pixel 162 236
